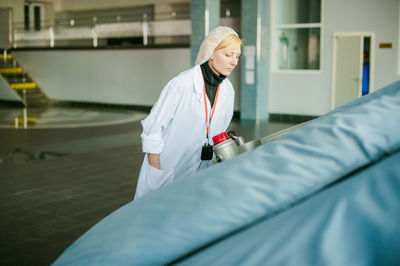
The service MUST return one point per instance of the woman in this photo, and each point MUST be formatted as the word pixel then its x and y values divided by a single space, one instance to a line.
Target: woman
pixel 192 108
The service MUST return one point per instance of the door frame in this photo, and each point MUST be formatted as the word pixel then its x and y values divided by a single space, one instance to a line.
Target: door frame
pixel 371 35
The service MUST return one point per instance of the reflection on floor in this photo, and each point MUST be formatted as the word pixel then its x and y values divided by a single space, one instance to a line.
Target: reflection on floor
pixel 57 182
pixel 54 116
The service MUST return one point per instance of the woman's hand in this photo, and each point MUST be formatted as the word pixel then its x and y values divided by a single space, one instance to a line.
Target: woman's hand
pixel 154 160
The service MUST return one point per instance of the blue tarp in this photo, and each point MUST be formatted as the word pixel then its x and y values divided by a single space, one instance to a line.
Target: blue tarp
pixel 355 222
pixel 253 190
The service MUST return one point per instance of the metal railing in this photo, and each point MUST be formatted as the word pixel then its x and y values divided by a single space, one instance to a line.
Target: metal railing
pixel 97 28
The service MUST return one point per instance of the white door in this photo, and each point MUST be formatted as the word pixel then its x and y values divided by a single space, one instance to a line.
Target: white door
pixel 348 51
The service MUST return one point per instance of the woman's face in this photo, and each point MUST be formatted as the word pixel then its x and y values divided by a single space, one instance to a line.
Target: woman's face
pixel 225 60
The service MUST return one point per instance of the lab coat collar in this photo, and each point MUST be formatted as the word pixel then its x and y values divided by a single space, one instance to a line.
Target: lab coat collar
pixel 199 83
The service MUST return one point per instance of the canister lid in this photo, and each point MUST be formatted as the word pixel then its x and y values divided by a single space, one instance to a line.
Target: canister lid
pixel 220 138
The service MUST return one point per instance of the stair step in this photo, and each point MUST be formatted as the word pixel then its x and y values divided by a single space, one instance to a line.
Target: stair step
pixel 7 64
pixel 38 104
pixel 20 121
pixel 26 88
pixel 8 57
pixel 23 85
pixel 36 98
pixel 29 119
pixel 14 75
pixel 21 79
pixel 30 93
pixel 11 70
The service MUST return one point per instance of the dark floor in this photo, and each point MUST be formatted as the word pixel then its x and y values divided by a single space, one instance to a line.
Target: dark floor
pixel 56 183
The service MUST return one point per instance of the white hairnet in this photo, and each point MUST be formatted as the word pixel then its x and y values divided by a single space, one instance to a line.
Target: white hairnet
pixel 211 41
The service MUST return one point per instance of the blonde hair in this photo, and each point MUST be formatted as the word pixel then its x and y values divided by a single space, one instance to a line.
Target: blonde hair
pixel 231 39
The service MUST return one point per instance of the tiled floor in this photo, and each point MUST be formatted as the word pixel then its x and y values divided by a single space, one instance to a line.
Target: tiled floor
pixel 57 183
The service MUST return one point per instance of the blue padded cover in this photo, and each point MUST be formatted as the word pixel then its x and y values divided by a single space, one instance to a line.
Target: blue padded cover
pixel 355 222
pixel 194 211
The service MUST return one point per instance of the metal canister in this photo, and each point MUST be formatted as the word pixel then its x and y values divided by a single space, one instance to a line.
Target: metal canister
pixel 224 147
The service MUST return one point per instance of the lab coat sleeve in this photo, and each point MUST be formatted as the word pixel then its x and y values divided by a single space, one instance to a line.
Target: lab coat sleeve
pixel 160 116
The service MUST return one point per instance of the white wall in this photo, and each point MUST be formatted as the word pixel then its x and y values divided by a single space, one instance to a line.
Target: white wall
pixel 310 93
pixel 132 76
pixel 17 7
pixel 105 76
pixel 381 17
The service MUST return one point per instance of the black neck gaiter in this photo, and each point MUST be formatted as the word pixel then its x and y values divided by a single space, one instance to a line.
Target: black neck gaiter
pixel 211 80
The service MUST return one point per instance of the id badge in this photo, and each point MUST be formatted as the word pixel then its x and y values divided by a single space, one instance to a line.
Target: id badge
pixel 207 152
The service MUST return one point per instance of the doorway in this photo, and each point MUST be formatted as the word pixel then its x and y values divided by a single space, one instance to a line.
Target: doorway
pixel 353 66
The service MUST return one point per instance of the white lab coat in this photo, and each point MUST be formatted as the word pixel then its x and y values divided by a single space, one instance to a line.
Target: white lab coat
pixel 176 129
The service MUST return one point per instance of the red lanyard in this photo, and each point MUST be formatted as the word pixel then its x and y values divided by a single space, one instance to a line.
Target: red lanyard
pixel 213 108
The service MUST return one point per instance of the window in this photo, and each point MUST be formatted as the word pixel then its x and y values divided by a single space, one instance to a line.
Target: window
pixel 296 34
pixel 33 16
